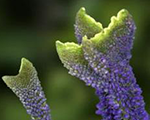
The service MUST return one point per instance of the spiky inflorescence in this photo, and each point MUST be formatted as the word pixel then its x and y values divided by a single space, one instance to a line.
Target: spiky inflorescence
pixel 27 87
pixel 101 60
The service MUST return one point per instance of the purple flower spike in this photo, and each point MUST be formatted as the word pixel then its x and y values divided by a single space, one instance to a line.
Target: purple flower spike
pixel 27 87
pixel 101 59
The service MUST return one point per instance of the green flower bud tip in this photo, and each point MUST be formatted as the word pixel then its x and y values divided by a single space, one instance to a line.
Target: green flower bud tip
pixel 26 72
pixel 117 27
pixel 70 53
pixel 86 25
pixel 90 32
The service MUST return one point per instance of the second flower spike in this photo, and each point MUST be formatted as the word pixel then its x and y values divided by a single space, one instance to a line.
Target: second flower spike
pixel 27 87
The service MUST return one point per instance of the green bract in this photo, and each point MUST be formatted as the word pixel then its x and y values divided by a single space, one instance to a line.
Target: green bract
pixel 86 24
pixel 26 73
pixel 93 36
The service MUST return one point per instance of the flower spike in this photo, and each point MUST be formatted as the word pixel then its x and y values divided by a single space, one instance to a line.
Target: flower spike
pixel 103 63
pixel 27 87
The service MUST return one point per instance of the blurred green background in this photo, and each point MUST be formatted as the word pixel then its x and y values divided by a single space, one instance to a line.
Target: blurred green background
pixel 29 28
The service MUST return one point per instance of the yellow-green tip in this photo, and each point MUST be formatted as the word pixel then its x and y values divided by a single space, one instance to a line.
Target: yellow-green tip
pixel 23 78
pixel 86 24
pixel 116 23
pixel 70 52
pixel 87 19
pixel 82 11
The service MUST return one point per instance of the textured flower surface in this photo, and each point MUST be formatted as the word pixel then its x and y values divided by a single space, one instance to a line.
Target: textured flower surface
pixel 27 87
pixel 101 59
